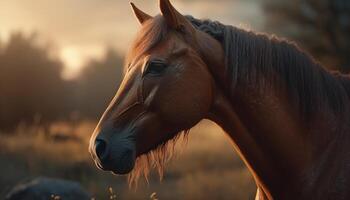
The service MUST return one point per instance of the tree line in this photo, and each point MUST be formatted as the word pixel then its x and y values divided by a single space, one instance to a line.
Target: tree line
pixel 320 26
pixel 32 88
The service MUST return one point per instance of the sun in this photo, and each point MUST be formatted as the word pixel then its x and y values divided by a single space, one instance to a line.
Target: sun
pixel 73 61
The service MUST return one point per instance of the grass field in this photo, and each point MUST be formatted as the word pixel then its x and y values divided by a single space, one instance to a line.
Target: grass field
pixel 206 168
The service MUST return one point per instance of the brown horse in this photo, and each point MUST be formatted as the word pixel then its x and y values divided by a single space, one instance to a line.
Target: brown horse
pixel 287 117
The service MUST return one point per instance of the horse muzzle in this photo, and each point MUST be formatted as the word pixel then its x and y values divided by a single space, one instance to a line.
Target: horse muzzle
pixel 117 155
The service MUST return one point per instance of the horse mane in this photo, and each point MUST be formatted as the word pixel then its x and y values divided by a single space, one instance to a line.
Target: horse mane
pixel 258 58
pixel 344 80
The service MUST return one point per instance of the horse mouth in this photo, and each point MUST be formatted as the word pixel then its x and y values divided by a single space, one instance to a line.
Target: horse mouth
pixel 124 167
pixel 125 164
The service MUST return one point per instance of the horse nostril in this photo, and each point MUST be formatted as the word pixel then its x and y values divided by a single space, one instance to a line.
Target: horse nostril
pixel 101 149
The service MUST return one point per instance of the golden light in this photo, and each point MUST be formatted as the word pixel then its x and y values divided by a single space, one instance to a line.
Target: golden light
pixel 73 60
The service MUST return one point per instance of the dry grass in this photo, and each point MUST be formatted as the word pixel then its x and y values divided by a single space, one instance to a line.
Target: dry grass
pixel 206 168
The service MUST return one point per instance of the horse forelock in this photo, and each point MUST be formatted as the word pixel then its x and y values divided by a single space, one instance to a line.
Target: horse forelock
pixel 151 33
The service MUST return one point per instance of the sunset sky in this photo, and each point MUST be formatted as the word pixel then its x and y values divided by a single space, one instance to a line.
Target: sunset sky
pixel 81 29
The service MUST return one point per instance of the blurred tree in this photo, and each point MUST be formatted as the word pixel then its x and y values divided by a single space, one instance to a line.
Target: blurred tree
pixel 32 90
pixel 98 83
pixel 321 26
pixel 30 82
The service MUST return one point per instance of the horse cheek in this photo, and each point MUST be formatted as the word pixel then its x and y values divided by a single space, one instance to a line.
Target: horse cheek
pixel 188 102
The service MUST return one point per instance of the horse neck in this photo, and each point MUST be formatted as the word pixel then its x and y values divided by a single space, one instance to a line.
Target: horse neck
pixel 272 138
pixel 280 150
pixel 265 134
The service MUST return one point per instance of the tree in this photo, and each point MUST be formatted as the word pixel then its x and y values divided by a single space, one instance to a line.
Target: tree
pixel 30 81
pixel 321 26
pixel 31 84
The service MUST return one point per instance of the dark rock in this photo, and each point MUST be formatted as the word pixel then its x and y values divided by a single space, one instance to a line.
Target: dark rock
pixel 48 189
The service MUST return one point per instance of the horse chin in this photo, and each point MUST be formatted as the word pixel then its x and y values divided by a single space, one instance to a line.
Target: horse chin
pixel 125 165
pixel 124 172
pixel 123 169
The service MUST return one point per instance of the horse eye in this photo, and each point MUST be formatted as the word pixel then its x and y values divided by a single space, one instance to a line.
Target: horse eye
pixel 155 68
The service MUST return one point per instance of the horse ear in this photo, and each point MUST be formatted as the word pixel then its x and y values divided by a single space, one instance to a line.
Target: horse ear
pixel 140 15
pixel 171 15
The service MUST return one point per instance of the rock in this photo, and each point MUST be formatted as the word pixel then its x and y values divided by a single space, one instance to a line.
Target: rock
pixel 48 189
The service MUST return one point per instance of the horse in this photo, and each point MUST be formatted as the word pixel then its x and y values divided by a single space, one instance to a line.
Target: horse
pixel 286 115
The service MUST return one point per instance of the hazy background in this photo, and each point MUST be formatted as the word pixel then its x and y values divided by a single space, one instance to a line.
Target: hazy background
pixel 60 64
pixel 82 29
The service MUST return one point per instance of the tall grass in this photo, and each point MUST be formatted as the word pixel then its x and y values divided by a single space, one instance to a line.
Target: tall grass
pixel 206 168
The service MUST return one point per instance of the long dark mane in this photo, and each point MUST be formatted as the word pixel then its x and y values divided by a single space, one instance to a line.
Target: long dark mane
pixel 251 56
